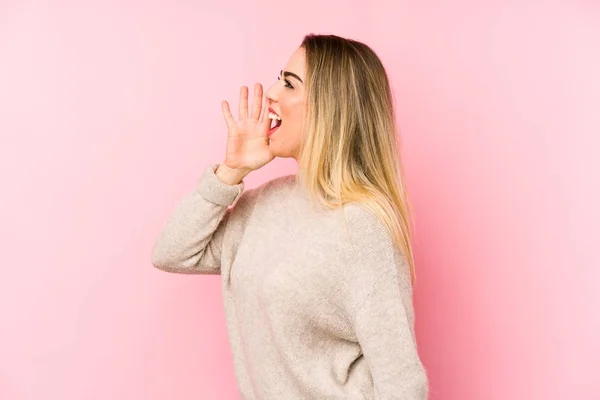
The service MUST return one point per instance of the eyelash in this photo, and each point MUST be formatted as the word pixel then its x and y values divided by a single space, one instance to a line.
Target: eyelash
pixel 286 81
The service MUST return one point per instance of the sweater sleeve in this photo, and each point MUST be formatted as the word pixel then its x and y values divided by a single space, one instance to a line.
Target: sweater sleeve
pixel 385 335
pixel 192 240
pixel 382 311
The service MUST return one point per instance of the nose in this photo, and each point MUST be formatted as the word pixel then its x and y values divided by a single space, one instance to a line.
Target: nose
pixel 272 94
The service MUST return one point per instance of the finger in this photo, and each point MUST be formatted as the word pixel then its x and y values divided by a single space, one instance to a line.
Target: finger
pixel 265 111
pixel 256 104
pixel 265 121
pixel 243 107
pixel 227 115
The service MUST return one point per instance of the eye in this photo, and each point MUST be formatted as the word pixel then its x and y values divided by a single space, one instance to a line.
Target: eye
pixel 287 82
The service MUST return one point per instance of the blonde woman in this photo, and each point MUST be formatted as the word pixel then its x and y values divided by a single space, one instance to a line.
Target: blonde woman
pixel 317 268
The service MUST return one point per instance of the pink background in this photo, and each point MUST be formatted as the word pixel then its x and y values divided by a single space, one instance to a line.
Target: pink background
pixel 110 111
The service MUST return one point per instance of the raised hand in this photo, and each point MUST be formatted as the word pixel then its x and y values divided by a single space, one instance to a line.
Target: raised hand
pixel 247 142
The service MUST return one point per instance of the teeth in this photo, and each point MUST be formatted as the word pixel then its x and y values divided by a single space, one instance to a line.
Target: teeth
pixel 274 116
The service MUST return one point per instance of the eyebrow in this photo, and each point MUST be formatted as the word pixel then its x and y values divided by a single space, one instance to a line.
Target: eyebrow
pixel 287 73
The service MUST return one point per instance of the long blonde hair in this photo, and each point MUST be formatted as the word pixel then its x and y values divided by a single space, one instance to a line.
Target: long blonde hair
pixel 350 147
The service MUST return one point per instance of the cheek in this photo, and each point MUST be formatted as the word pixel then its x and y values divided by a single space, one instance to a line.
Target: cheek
pixel 292 112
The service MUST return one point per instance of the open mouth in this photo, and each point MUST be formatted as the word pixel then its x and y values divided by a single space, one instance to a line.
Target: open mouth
pixel 275 124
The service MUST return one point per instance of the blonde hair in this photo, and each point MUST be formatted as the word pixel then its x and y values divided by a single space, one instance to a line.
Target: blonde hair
pixel 350 149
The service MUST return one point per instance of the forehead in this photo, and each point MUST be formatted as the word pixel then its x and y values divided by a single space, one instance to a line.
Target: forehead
pixel 296 62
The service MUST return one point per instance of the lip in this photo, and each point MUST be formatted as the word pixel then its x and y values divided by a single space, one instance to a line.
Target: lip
pixel 269 133
pixel 274 112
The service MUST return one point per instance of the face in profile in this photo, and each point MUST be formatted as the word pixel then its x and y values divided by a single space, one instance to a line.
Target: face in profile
pixel 287 98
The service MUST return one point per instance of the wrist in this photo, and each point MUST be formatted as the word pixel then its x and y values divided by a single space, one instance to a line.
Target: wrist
pixel 230 176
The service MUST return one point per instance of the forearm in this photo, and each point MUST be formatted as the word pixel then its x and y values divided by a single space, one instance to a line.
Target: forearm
pixel 192 238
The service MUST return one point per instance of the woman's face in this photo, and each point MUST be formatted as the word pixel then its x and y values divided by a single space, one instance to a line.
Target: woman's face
pixel 287 98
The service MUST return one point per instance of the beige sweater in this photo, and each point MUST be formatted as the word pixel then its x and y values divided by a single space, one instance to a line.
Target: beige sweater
pixel 313 311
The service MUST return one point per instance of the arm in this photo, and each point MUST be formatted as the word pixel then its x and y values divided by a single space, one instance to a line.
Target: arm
pixel 381 309
pixel 192 240
pixel 384 331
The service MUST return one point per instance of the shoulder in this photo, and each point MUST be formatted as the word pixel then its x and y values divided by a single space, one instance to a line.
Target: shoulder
pixel 373 249
pixel 251 196
pixel 364 225
pixel 274 187
pixel 279 182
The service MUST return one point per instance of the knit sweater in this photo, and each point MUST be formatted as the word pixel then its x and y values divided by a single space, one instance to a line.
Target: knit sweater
pixel 316 307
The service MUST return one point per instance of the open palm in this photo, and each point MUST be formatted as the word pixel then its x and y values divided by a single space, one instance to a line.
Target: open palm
pixel 247 142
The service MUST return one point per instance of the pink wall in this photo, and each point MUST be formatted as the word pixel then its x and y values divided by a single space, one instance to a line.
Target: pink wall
pixel 109 113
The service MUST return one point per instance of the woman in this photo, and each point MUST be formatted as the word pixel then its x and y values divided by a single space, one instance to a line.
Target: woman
pixel 317 268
